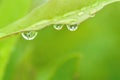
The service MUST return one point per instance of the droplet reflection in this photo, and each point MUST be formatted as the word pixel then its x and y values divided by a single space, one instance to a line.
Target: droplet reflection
pixel 30 35
pixel 72 27
pixel 58 26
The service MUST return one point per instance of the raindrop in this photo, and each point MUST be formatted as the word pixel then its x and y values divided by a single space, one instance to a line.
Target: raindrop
pixel 30 35
pixel 58 26
pixel 72 27
pixel 92 15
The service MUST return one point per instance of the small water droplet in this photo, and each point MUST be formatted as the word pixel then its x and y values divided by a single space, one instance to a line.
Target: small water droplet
pixel 92 15
pixel 58 26
pixel 72 27
pixel 30 35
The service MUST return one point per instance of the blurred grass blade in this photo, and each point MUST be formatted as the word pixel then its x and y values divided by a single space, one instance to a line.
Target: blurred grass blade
pixel 8 14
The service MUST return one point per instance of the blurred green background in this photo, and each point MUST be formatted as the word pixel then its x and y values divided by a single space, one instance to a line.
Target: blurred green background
pixel 90 53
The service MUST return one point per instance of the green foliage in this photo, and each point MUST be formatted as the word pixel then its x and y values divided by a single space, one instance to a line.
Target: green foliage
pixel 90 53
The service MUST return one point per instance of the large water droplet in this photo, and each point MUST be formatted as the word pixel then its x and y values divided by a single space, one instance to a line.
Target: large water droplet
pixel 30 35
pixel 58 26
pixel 72 27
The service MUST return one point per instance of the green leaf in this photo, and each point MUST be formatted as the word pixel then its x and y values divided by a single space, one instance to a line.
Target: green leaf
pixel 55 12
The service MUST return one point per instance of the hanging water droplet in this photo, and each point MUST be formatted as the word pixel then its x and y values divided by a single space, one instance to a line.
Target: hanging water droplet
pixel 58 26
pixel 92 15
pixel 30 35
pixel 72 27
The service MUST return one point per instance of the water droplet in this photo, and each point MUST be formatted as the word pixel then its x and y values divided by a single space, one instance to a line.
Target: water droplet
pixel 30 35
pixel 72 27
pixel 92 15
pixel 58 26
